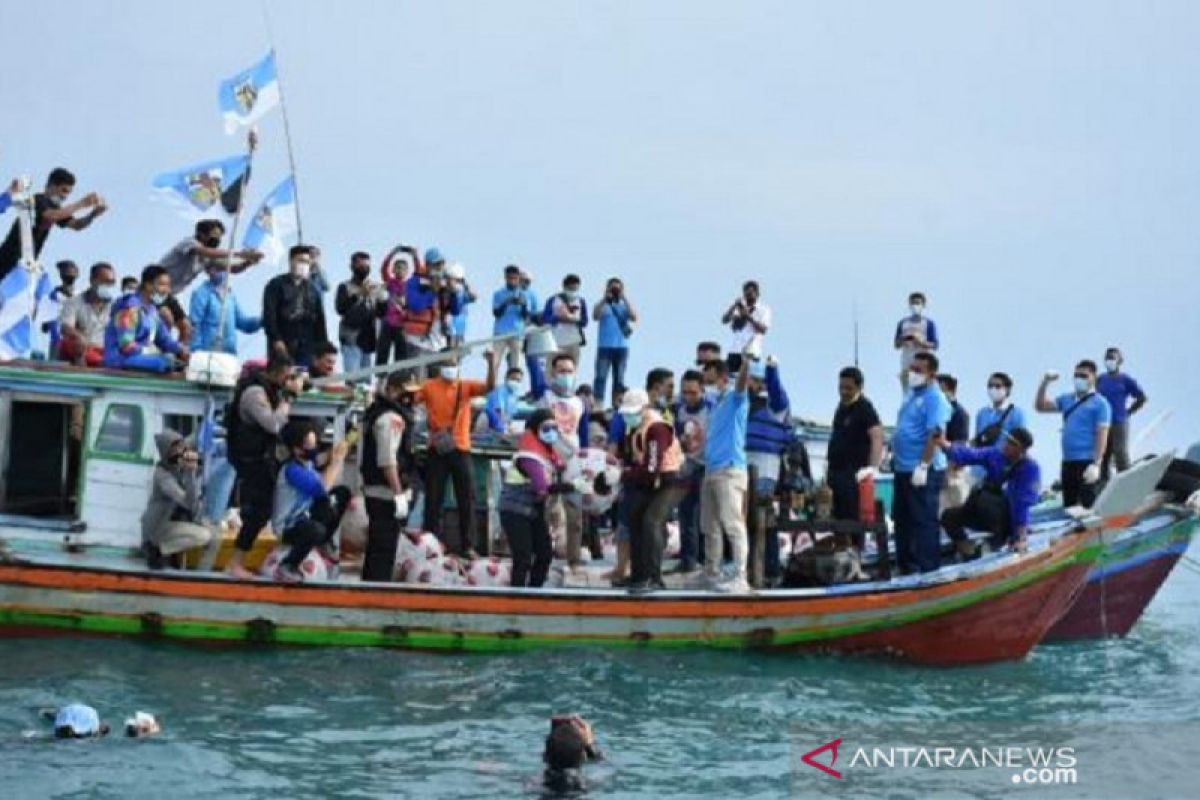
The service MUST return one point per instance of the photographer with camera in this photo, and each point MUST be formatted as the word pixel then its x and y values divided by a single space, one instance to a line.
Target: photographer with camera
pixel 749 319
pixel 510 307
pixel 615 318
pixel 169 524
pixel 916 333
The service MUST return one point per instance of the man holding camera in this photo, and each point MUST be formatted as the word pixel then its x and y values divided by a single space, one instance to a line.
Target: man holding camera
pixel 615 317
pixel 168 524
pixel 510 307
pixel 750 319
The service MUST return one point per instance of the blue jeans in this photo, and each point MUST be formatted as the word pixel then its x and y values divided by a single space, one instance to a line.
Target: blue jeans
pixel 614 358
pixel 537 375
pixel 143 362
pixel 221 478
pixel 915 516
pixel 355 358
pixel 691 543
pixel 765 488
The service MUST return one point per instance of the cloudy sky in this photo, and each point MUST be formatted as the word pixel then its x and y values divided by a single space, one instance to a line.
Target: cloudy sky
pixel 1032 166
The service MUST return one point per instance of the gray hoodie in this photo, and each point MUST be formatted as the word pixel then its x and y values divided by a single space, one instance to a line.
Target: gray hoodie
pixel 174 487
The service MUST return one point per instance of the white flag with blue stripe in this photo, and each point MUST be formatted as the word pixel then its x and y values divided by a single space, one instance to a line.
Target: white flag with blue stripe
pixel 205 189
pixel 23 311
pixel 249 95
pixel 274 221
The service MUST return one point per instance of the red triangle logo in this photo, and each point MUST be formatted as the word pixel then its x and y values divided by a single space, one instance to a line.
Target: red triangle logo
pixel 832 747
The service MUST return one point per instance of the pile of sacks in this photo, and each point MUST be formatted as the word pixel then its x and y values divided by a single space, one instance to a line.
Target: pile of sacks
pixel 317 566
pixel 422 559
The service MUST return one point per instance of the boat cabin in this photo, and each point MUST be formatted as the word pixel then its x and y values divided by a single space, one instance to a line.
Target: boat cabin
pixel 77 448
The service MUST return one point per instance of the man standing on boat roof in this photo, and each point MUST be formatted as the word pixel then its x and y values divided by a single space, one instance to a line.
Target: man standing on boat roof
pixel 50 210
pixel 615 317
pixel 198 253
pixel 216 313
pixel 916 333
pixel 1117 387
pixel 919 467
pixel 1086 419
pixel 425 308
pixel 386 439
pixel 723 492
pixel 750 319
pixel 510 307
pixel 260 407
pixel 293 314
pixel 137 337
pixel 357 302
pixel 567 314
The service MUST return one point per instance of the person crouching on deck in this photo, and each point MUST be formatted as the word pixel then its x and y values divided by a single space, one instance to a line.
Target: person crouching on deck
pixel 532 478
pixel 136 337
pixel 168 523
pixel 308 509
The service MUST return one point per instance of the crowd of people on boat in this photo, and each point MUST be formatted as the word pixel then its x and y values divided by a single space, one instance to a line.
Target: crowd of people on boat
pixel 688 456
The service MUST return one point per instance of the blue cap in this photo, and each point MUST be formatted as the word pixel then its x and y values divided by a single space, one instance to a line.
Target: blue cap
pixel 80 719
pixel 433 255
pixel 758 370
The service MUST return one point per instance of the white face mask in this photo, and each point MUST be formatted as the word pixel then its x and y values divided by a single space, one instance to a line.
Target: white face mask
pixel 515 386
pixel 998 395
pixel 917 379
pixel 449 373
pixel 1112 364
pixel 1082 385
pixel 917 309
pixel 302 270
pixel 106 291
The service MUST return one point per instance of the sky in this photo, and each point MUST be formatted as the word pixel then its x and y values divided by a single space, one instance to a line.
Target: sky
pixel 1031 166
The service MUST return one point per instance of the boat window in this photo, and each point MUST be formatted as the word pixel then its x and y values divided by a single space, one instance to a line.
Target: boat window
pixel 121 431
pixel 183 424
pixel 44 448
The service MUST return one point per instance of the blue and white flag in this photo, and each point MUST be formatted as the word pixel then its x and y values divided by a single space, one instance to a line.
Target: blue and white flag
pixel 23 311
pixel 274 221
pixel 205 189
pixel 250 94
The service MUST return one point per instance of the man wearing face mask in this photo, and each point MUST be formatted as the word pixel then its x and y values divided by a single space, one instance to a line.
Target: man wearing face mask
pixel 308 505
pixel 916 333
pixel 504 401
pixel 568 314
pixel 769 433
pixel 386 435
pixel 293 315
pixel 357 302
pixel 615 317
pixel 1118 387
pixel 691 425
pixel 85 316
pixel 195 255
pixel 447 401
pixel 136 337
pixel 855 444
pixel 566 407
pixel 51 209
pixel 533 478
pixel 426 307
pixel 1086 418
pixel 169 525
pixel 1000 415
pixel 920 467
pixel 723 493
pixel 214 328
pixel 653 489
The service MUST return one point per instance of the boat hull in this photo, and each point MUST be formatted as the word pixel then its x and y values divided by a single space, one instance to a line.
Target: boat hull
pixel 1123 583
pixel 989 613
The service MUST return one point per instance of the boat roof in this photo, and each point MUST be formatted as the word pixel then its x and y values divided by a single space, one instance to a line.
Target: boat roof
pixel 41 375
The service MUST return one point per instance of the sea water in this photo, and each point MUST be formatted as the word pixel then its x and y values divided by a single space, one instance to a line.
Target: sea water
pixel 291 723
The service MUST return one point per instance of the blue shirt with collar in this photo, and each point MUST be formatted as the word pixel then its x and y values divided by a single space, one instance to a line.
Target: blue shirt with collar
pixel 501 408
pixel 510 317
pixel 923 411
pixel 990 415
pixel 1079 429
pixel 1022 481
pixel 725 444
pixel 1117 388
pixel 613 315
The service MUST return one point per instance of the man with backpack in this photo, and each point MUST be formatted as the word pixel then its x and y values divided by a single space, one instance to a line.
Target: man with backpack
pixel 567 315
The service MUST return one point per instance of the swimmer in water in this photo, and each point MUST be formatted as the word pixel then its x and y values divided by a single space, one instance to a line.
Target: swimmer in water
pixel 570 744
pixel 76 721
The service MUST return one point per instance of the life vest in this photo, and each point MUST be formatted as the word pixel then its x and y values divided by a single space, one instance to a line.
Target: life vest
pixel 372 473
pixel 248 441
pixel 420 323
pixel 767 434
pixel 518 495
pixel 671 461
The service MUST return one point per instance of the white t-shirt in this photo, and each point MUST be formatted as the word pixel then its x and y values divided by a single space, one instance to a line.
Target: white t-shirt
pixel 747 336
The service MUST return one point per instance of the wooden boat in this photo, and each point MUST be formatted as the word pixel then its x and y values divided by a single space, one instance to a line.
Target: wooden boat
pixel 67 568
pixel 1136 559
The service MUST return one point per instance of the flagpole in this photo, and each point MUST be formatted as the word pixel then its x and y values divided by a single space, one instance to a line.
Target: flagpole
pixel 287 128
pixel 226 288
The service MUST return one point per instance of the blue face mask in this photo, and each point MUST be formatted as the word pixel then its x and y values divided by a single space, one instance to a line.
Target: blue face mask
pixel 711 393
pixel 515 386
pixel 632 421
pixel 564 383
pixel 311 453
pixel 548 435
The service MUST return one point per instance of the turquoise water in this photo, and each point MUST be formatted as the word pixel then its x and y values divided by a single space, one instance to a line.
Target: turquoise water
pixel 372 724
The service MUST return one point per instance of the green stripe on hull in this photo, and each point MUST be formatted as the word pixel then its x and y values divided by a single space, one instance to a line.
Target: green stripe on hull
pixel 267 633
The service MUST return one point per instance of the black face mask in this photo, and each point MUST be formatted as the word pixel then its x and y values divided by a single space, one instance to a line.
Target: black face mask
pixel 213 241
pixel 360 272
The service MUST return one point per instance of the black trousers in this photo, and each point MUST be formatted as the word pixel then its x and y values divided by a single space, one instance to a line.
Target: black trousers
pixel 390 345
pixel 532 550
pixel 985 510
pixel 322 523
pixel 1075 491
pixel 257 497
pixel 383 534
pixel 645 537
pixel 845 494
pixel 439 468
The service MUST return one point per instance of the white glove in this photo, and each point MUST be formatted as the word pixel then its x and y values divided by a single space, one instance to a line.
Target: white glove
pixel 401 501
pixel 865 473
pixel 1092 473
pixel 920 475
pixel 1051 375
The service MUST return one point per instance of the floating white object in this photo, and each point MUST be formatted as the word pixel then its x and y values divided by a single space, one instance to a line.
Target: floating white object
pixel 213 369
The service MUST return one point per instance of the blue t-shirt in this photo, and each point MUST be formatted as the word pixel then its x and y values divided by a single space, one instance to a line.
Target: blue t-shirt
pixel 1079 429
pixel 510 317
pixel 923 411
pixel 612 317
pixel 990 415
pixel 725 445
pixel 1117 388
pixel 459 309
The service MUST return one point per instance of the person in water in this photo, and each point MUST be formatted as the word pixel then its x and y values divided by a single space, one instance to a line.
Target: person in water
pixel 76 721
pixel 570 745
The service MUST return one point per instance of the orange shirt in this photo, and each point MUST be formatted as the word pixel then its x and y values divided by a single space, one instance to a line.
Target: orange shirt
pixel 440 396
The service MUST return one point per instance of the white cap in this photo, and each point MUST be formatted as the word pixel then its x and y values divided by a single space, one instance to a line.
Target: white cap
pixel 456 271
pixel 634 401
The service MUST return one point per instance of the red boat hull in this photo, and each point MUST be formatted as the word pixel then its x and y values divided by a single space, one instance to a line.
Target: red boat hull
pixel 1007 627
pixel 1113 606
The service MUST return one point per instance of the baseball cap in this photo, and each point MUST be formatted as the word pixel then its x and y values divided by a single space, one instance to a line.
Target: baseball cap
pixel 433 256
pixel 1022 437
pixel 634 401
